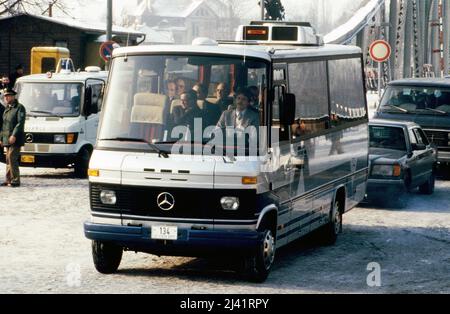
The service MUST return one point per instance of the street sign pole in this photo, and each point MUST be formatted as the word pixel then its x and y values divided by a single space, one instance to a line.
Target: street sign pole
pixel 108 25
pixel 379 79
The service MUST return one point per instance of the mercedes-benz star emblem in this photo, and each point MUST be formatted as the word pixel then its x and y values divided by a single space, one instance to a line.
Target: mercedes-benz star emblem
pixel 29 138
pixel 166 201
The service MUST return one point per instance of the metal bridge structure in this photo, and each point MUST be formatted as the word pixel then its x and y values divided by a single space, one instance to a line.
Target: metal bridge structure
pixel 417 30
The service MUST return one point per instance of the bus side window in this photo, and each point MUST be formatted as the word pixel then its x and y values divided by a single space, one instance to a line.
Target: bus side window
pixel 346 92
pixel 308 81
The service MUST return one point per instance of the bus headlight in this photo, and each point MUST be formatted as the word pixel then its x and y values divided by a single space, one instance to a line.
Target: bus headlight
pixel 108 197
pixel 59 139
pixel 230 203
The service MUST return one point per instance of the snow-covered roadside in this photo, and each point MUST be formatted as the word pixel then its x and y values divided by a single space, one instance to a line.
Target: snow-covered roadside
pixel 43 250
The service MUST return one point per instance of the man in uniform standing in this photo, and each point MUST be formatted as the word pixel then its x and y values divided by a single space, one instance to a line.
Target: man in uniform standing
pixel 12 136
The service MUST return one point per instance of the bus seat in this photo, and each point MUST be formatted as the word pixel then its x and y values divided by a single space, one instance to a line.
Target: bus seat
pixel 147 115
pixel 175 103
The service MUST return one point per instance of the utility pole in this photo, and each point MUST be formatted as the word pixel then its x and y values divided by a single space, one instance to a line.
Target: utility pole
pixel 109 21
pixel 263 9
pixel 435 25
pixel 446 30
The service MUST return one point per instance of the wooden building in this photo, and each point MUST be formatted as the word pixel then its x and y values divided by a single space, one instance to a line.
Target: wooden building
pixel 20 33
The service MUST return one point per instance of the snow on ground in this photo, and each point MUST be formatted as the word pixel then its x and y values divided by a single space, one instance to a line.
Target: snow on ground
pixel 43 250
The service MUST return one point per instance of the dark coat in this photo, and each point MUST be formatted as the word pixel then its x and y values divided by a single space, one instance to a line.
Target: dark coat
pixel 183 117
pixel 13 124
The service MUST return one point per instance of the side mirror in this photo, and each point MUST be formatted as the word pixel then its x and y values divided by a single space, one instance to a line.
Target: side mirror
pixel 418 147
pixel 87 102
pixel 287 110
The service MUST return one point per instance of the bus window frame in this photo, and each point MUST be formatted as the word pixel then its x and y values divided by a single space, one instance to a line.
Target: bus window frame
pixel 286 61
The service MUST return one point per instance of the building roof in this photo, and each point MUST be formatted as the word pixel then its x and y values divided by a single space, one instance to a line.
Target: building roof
pixel 88 27
pixel 179 8
pixel 156 35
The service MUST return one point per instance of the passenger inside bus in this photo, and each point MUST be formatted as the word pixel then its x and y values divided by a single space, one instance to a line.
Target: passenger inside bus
pixel 243 116
pixel 223 96
pixel 186 113
pixel 211 112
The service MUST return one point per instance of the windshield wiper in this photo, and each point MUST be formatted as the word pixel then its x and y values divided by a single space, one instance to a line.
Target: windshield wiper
pixel 46 112
pixel 444 113
pixel 398 108
pixel 139 140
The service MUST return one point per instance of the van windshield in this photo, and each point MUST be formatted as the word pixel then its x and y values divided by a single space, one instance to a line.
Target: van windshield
pixel 205 101
pixel 419 100
pixel 56 99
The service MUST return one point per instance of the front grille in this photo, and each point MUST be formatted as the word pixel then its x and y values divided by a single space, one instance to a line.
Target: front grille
pixel 439 138
pixel 41 138
pixel 189 203
pixel 44 138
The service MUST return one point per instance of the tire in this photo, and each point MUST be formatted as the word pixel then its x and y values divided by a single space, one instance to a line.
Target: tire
pixel 106 256
pixel 328 234
pixel 82 163
pixel 258 266
pixel 428 187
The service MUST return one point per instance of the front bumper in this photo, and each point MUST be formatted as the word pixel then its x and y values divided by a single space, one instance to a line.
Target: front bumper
pixel 192 243
pixel 383 187
pixel 46 160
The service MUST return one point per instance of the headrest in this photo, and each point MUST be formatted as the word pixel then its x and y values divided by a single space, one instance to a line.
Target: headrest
pixel 175 103
pixel 148 108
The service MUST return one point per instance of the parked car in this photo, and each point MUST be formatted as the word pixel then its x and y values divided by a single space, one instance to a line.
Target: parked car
pixel 401 160
pixel 425 101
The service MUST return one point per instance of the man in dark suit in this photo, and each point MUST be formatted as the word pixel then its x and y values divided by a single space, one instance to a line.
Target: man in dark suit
pixel 243 116
pixel 186 114
pixel 211 112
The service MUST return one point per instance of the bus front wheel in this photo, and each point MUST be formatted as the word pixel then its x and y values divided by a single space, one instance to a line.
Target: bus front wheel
pixel 107 257
pixel 258 266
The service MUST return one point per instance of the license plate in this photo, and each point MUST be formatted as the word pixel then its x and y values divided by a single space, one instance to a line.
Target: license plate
pixel 27 159
pixel 164 233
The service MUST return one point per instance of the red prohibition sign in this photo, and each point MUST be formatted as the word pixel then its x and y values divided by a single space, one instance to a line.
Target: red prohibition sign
pixel 106 50
pixel 380 51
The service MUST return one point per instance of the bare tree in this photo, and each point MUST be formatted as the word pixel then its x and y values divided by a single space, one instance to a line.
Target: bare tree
pixel 13 7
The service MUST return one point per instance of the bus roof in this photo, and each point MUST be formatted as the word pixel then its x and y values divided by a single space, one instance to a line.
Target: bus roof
pixel 266 52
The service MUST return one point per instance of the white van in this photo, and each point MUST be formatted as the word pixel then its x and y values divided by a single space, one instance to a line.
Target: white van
pixel 155 188
pixel 62 118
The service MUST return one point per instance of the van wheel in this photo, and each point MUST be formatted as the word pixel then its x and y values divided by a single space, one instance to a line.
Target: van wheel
pixel 107 257
pixel 329 233
pixel 258 266
pixel 82 163
pixel 428 187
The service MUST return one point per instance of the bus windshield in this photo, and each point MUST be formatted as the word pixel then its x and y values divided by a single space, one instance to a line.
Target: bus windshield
pixel 419 100
pixel 56 99
pixel 168 100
